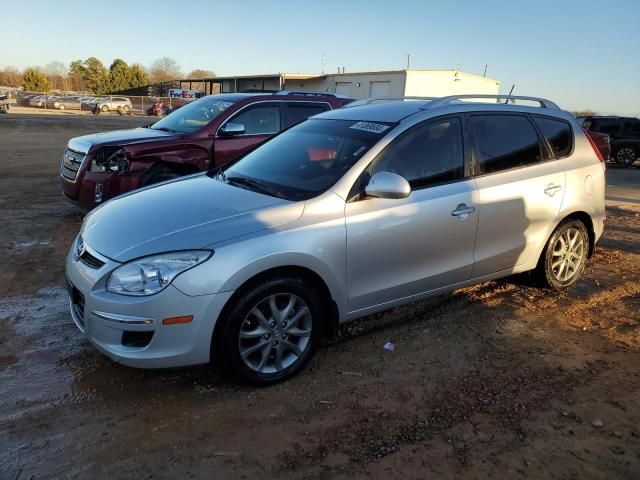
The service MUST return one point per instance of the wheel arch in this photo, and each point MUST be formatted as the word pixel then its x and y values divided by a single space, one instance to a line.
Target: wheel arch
pixel 310 276
pixel 585 218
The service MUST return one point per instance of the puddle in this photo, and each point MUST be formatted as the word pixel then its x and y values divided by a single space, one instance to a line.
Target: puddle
pixel 37 337
pixel 29 245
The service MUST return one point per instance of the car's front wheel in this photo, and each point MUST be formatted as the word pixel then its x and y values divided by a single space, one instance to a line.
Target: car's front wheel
pixel 565 256
pixel 271 331
pixel 105 108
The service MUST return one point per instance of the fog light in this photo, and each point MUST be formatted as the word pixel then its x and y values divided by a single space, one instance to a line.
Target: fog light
pixel 177 320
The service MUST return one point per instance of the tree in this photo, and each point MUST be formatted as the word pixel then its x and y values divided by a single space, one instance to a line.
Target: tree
pixel 584 113
pixel 96 76
pixel 57 74
pixel 139 77
pixel 199 74
pixel 76 76
pixel 34 80
pixel 163 73
pixel 10 77
pixel 119 75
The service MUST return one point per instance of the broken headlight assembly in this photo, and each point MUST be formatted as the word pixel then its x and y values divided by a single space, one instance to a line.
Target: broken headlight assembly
pixel 110 160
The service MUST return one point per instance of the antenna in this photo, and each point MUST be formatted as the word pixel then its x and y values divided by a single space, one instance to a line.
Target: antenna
pixel 485 70
pixel 408 61
pixel 510 92
pixel 322 60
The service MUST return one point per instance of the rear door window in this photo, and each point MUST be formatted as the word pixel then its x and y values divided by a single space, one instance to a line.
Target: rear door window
pixel 504 142
pixel 299 111
pixel 558 134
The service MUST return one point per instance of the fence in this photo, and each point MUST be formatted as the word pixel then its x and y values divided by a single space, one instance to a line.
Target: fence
pixel 73 101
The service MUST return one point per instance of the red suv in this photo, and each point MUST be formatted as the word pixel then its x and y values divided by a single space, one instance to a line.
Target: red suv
pixel 201 135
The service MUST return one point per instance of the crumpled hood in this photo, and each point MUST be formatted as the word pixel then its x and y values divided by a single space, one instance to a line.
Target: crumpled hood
pixel 187 213
pixel 119 137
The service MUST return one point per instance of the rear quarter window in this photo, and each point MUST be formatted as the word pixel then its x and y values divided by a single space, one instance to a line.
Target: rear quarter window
pixel 558 133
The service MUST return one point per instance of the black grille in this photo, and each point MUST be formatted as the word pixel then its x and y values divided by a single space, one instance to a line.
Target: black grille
pixel 71 163
pixel 91 261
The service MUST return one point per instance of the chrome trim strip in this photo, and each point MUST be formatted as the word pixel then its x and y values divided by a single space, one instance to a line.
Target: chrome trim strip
pixel 126 319
pixel 75 317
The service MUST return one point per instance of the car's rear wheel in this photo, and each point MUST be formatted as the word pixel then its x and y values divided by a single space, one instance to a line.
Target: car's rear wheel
pixel 272 331
pixel 565 256
pixel 625 155
pixel 61 107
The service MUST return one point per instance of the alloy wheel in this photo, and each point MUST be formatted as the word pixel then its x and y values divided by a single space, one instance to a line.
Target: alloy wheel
pixel 275 333
pixel 568 255
pixel 626 155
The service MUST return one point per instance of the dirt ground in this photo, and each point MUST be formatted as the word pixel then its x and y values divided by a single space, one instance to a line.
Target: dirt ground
pixel 501 380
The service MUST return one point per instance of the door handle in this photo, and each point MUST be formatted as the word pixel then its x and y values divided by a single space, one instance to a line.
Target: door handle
pixel 462 211
pixel 552 189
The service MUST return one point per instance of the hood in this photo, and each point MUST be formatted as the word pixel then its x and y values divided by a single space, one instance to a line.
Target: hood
pixel 188 213
pixel 119 137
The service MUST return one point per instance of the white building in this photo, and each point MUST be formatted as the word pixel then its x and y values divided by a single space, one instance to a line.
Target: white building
pixel 394 83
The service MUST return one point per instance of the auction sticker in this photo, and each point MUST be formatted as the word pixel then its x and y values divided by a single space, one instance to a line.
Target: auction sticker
pixel 370 127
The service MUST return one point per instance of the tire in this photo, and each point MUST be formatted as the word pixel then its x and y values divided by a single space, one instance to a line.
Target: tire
pixel 126 108
pixel 626 155
pixel 105 108
pixel 61 107
pixel 288 343
pixel 558 266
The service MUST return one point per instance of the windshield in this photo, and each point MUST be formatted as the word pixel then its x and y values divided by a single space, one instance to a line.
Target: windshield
pixel 194 115
pixel 307 159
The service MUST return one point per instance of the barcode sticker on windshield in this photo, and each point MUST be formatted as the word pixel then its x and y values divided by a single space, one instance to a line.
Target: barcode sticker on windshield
pixel 370 127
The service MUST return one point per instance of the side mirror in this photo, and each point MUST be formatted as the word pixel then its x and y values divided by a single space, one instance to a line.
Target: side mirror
pixel 388 185
pixel 230 129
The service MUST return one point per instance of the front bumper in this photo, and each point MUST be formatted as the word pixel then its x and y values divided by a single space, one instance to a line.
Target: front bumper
pixel 129 330
pixel 91 189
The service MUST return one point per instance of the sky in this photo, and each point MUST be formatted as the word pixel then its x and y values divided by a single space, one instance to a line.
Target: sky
pixel 581 54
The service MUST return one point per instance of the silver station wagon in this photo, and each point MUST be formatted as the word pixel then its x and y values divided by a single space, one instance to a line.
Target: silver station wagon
pixel 352 212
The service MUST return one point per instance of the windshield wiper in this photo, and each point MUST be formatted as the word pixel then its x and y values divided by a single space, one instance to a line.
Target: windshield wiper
pixel 255 185
pixel 218 174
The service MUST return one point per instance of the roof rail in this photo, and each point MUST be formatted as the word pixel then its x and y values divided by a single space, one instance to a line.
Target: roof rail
pixel 309 93
pixel 442 101
pixel 367 101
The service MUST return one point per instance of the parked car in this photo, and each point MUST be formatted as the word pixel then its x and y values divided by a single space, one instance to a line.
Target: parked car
pixel 89 103
pixel 50 101
pixel 64 103
pixel 203 134
pixel 624 135
pixel 114 104
pixel 37 101
pixel 352 212
pixel 602 142
pixel 4 103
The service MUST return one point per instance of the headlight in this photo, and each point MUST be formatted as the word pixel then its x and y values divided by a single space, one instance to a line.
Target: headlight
pixel 110 160
pixel 150 275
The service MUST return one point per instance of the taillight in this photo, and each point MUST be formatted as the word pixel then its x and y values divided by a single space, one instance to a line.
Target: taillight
pixel 593 145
